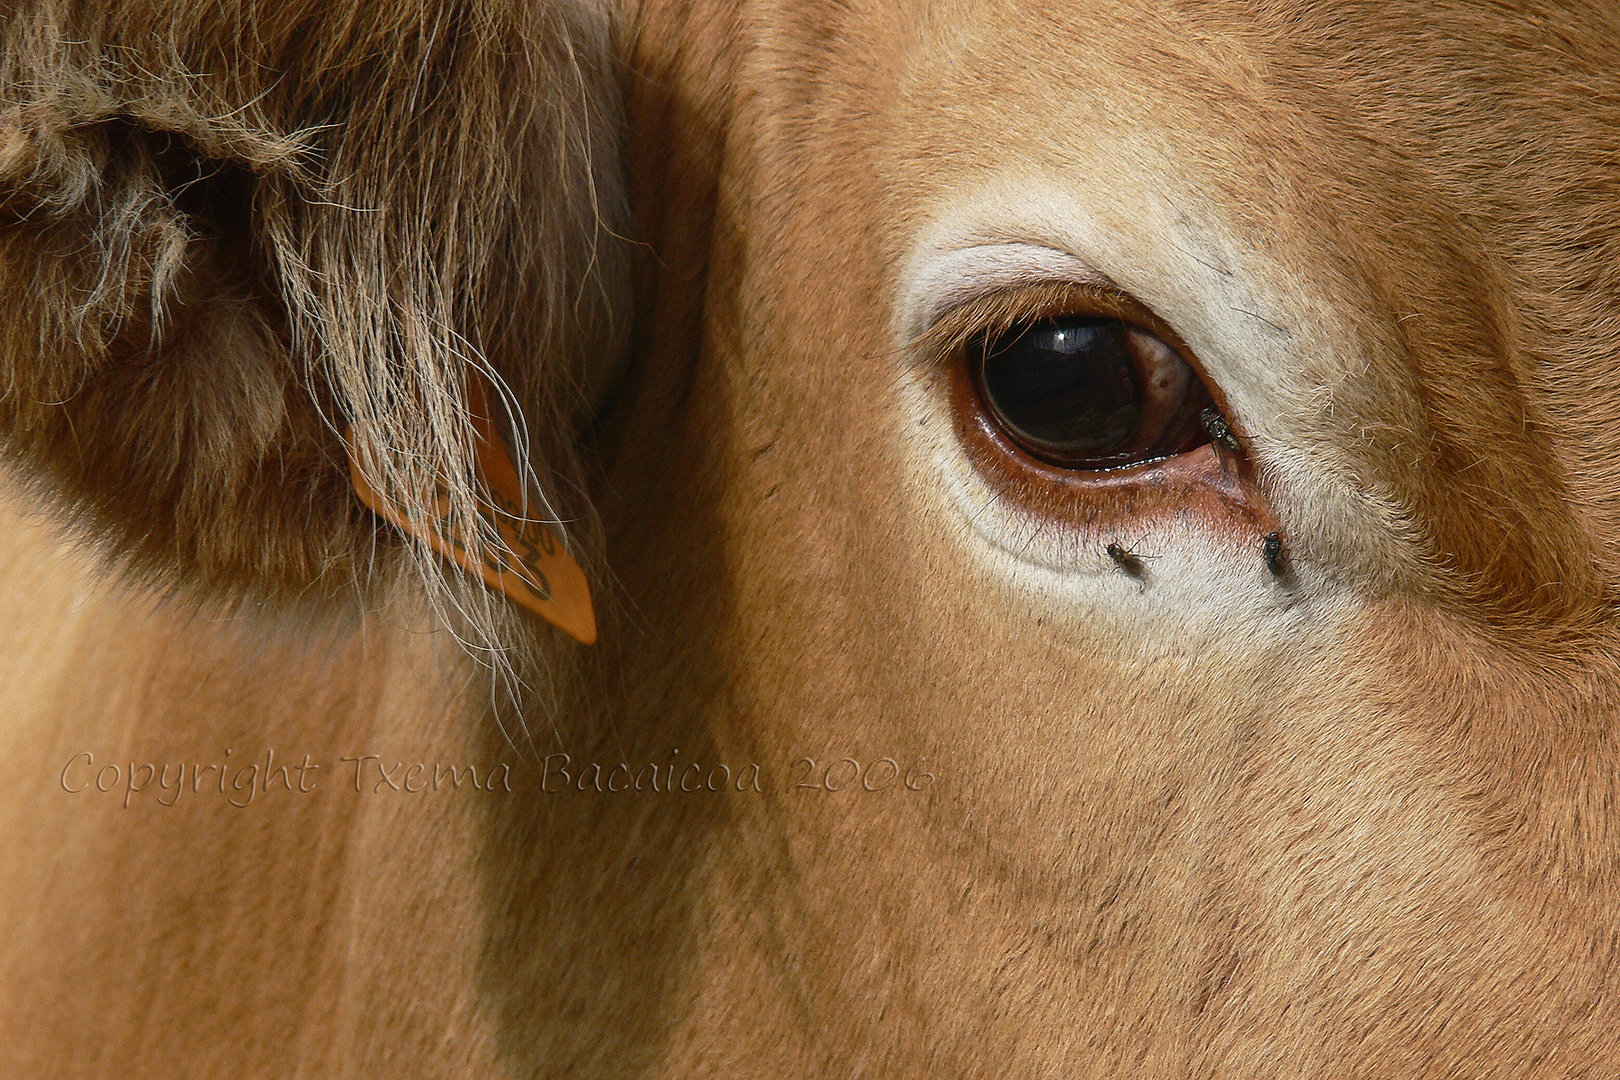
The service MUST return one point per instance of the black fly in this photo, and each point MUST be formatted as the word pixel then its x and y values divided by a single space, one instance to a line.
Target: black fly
pixel 1214 423
pixel 1276 559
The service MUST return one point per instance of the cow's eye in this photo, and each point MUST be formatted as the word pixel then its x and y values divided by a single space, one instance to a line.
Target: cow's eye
pixel 1089 393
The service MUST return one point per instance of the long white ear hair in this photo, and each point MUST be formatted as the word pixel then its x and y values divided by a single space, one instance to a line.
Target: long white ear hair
pixel 230 229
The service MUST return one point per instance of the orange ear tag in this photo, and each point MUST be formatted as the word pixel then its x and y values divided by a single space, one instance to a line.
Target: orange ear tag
pixel 523 558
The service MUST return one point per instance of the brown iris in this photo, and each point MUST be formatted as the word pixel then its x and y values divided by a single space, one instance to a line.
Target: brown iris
pixel 1089 393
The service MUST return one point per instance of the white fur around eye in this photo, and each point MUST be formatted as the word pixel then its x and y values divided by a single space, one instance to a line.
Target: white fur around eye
pixel 947 278
pixel 1277 345
pixel 997 240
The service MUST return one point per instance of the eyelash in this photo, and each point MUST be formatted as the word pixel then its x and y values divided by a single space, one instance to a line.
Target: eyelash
pixel 999 311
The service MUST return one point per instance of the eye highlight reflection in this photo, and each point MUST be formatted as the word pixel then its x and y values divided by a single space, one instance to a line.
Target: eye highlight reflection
pixel 1088 393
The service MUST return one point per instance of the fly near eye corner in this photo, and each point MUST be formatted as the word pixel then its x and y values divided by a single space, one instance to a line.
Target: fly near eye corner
pixel 1215 424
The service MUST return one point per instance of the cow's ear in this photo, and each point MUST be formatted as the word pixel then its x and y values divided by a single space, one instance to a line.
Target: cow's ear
pixel 232 234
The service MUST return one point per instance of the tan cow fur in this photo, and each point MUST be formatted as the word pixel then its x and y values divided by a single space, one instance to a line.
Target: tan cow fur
pixel 1359 821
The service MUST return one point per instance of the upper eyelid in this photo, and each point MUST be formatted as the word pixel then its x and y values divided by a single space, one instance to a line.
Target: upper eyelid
pixel 990 313
pixel 951 277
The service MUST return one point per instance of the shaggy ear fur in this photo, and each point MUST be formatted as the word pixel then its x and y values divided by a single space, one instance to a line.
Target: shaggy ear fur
pixel 227 229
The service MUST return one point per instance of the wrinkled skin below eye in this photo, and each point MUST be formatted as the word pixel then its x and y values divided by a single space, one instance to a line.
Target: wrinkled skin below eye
pixel 1090 393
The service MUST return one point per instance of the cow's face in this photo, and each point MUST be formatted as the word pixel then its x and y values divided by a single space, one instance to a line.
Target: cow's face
pixel 1171 773
pixel 1126 495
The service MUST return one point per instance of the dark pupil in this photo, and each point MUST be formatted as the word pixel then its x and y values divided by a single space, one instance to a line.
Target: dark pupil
pixel 1066 387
